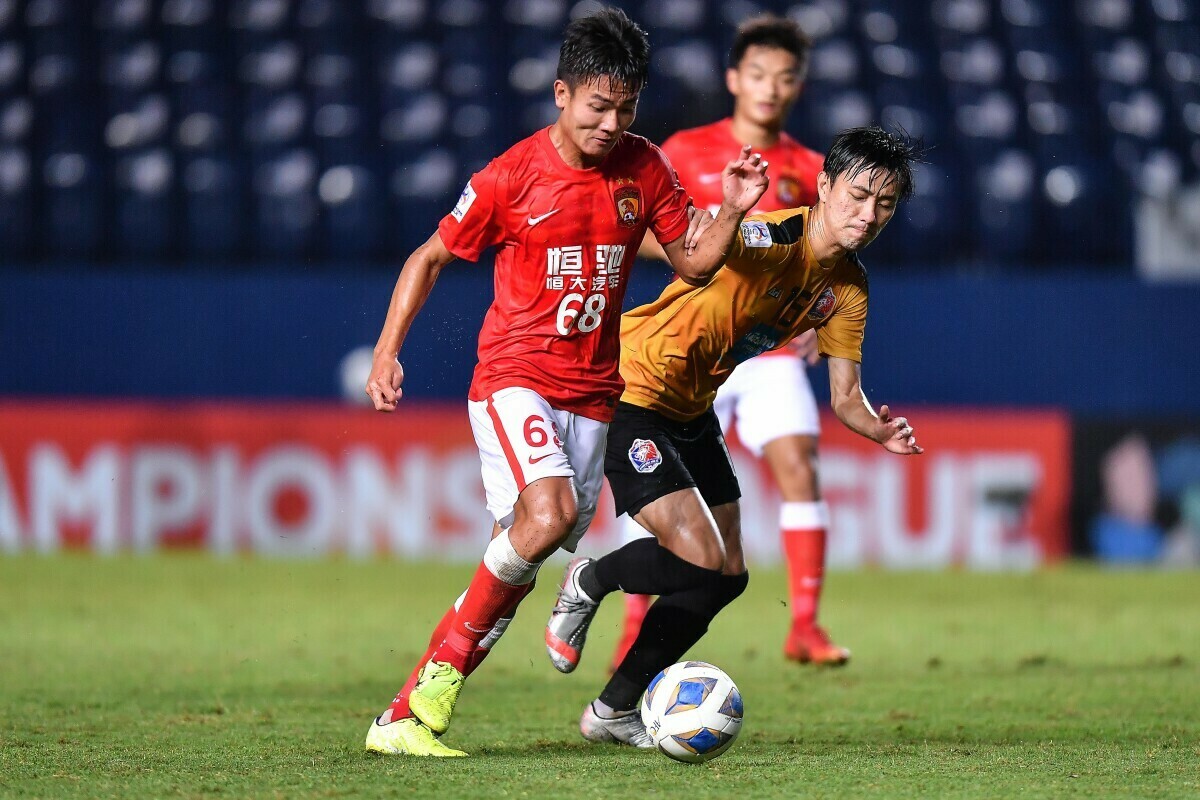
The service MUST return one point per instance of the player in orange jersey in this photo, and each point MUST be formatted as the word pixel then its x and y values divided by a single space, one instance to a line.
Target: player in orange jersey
pixel 769 396
pixel 562 208
pixel 790 271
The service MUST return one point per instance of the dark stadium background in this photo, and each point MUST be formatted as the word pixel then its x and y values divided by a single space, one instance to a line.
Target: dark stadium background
pixel 208 200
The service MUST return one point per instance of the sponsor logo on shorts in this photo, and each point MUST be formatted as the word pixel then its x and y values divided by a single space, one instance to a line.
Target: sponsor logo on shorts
pixel 756 234
pixel 464 202
pixel 823 306
pixel 644 455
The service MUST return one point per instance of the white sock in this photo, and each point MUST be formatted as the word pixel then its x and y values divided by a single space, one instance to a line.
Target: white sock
pixel 605 711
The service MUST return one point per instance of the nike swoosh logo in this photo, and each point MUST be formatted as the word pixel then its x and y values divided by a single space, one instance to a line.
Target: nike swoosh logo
pixel 473 629
pixel 711 177
pixel 533 460
pixel 535 220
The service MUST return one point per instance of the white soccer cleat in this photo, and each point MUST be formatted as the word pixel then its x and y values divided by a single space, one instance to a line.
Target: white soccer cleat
pixel 573 612
pixel 625 729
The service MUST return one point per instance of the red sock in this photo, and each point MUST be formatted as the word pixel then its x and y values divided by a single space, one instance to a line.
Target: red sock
pixel 803 530
pixel 488 599
pixel 480 653
pixel 636 606
pixel 399 706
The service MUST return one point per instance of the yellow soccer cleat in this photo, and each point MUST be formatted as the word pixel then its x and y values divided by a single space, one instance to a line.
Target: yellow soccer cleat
pixel 407 737
pixel 433 698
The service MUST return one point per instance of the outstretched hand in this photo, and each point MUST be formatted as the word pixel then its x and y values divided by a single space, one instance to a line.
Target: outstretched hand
pixel 383 385
pixel 897 435
pixel 744 180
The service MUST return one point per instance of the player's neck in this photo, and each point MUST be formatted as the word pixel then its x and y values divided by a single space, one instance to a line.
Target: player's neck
pixel 760 137
pixel 824 247
pixel 571 155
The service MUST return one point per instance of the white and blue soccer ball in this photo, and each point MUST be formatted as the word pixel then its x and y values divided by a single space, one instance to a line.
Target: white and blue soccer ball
pixel 693 711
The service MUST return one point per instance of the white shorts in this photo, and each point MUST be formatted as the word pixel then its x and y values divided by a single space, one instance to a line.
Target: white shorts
pixel 522 439
pixel 771 397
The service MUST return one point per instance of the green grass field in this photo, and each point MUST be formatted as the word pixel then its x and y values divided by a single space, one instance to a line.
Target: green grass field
pixel 190 677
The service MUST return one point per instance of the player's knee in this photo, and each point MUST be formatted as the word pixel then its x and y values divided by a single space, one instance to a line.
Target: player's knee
pixel 555 518
pixel 702 549
pixel 719 593
pixel 548 511
pixel 732 587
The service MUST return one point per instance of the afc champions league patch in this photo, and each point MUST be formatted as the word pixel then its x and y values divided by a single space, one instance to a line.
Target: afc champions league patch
pixel 628 198
pixel 824 305
pixel 787 189
pixel 756 234
pixel 464 202
pixel 644 455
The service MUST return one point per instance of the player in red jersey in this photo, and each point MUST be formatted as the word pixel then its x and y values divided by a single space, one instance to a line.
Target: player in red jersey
pixel 566 209
pixel 769 395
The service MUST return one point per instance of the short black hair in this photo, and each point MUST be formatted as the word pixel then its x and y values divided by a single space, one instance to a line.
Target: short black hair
pixel 856 150
pixel 770 30
pixel 606 45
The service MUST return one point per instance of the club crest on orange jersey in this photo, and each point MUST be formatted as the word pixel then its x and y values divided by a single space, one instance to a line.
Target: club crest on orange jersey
pixel 644 455
pixel 824 305
pixel 628 198
pixel 787 189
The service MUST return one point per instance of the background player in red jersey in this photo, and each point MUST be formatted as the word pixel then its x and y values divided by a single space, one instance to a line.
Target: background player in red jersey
pixel 563 208
pixel 769 396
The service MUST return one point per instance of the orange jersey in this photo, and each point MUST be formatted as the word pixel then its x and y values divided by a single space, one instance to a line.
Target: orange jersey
pixel 677 351
pixel 699 154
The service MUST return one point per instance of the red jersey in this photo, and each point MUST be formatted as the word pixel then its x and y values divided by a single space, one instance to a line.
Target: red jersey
pixel 565 240
pixel 699 155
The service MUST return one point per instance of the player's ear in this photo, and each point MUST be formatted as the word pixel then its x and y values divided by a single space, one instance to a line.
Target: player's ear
pixel 823 185
pixel 562 94
pixel 731 81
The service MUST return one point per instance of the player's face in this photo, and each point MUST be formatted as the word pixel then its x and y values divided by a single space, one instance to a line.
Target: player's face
pixel 856 209
pixel 765 85
pixel 594 115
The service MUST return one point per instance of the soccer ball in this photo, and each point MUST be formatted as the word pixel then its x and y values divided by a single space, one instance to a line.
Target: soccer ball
pixel 693 711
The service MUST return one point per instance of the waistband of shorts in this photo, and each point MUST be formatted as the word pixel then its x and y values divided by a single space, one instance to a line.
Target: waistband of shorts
pixel 688 429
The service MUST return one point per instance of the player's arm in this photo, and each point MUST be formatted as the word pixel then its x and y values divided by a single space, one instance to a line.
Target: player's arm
pixel 698 222
pixel 743 182
pixel 851 406
pixel 413 286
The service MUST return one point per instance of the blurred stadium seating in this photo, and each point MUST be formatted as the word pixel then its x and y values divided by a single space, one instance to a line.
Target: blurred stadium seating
pixel 329 130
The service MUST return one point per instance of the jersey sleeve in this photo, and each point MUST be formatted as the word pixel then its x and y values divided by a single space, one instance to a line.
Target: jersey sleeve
pixel 759 246
pixel 668 201
pixel 841 336
pixel 476 221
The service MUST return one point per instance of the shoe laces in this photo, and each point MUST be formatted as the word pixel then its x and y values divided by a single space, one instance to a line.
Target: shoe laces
pixel 572 605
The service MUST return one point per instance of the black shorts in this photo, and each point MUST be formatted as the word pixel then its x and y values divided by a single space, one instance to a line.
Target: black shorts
pixel 649 456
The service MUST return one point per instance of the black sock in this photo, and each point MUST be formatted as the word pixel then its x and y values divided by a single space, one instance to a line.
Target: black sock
pixel 643 567
pixel 667 632
pixel 673 624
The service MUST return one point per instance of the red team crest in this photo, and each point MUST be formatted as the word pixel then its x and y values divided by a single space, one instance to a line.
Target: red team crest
pixel 788 190
pixel 628 198
pixel 823 306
